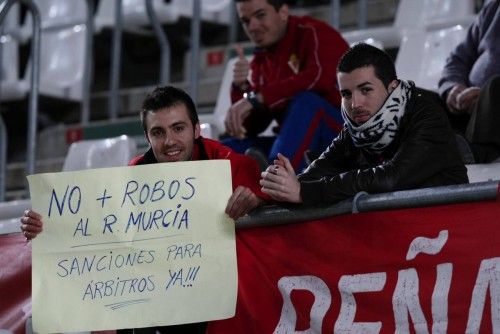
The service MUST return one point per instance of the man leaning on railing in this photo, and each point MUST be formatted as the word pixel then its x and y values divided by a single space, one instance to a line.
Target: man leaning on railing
pixel 395 137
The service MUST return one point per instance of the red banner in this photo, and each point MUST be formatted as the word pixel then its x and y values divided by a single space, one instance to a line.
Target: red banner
pixel 425 270
pixel 15 282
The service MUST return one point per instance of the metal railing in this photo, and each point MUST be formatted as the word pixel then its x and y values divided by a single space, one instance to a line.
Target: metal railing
pixel 272 215
pixel 35 77
pixel 88 65
pixel 165 52
pixel 116 54
pixel 3 158
pixel 115 62
pixel 195 50
pixel 335 13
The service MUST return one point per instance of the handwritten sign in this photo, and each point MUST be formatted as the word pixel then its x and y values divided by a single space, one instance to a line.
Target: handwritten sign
pixel 133 247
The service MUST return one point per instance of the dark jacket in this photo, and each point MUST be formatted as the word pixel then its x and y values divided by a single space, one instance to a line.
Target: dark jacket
pixel 423 154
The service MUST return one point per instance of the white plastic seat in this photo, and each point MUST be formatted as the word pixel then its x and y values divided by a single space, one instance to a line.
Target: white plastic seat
pixel 13 86
pixel 422 54
pixel 483 172
pixel 62 53
pixel 408 15
pixel 99 153
pixel 62 62
pixel 216 11
pixel 62 12
pixel 447 13
pixel 208 131
pixel 223 101
pixel 10 212
pixel 11 23
pixel 57 13
pixel 417 15
pixel 134 13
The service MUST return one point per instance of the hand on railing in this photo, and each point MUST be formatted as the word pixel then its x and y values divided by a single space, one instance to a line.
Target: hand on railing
pixel 280 182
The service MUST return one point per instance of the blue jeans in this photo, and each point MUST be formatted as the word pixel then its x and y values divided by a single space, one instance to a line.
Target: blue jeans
pixel 311 124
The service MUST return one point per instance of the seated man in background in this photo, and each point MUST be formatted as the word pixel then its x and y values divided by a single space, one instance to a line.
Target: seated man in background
pixel 395 137
pixel 292 82
pixel 172 128
pixel 470 85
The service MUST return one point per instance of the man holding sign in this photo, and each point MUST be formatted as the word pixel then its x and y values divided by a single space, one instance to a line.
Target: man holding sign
pixel 172 128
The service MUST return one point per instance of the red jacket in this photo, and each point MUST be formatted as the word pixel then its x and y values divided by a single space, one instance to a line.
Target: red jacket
pixel 305 59
pixel 244 170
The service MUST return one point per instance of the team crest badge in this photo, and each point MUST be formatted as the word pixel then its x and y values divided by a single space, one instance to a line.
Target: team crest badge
pixel 293 62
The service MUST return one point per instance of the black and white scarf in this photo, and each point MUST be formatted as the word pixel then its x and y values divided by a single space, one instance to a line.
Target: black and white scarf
pixel 378 132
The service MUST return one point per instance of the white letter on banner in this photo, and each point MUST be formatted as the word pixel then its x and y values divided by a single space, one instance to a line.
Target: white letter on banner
pixel 405 300
pixel 322 301
pixel 440 298
pixel 349 284
pixel 425 245
pixel 489 275
pixel 406 293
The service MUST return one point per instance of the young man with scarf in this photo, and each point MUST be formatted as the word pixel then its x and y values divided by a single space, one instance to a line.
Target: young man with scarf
pixel 395 137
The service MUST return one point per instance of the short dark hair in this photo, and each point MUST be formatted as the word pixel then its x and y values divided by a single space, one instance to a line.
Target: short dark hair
pixel 166 97
pixel 275 3
pixel 363 54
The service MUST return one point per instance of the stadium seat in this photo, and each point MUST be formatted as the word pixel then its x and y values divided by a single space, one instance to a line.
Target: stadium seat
pixel 483 172
pixel 11 24
pixel 215 11
pixel 62 62
pixel 61 12
pixel 422 54
pixel 208 131
pixel 10 212
pixel 57 14
pixel 223 101
pixel 445 13
pixel 62 55
pixel 134 13
pixel 99 153
pixel 13 87
pixel 419 15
